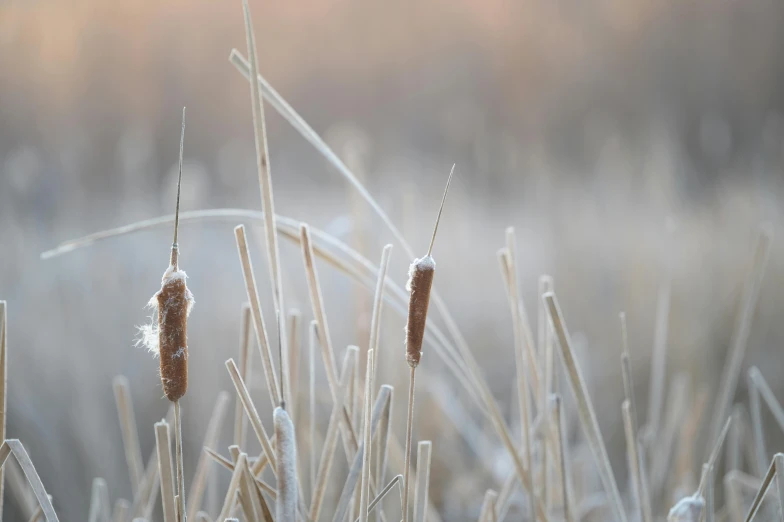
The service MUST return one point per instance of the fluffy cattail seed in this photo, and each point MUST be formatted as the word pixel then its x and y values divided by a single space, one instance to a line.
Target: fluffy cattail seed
pixel 167 335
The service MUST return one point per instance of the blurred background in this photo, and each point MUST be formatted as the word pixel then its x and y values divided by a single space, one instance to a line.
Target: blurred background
pixel 630 143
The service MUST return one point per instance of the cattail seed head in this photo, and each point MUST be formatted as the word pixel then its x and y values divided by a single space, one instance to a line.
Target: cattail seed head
pixel 174 302
pixel 420 281
pixel 286 455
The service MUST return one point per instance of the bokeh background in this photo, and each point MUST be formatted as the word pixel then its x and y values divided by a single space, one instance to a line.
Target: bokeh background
pixel 630 143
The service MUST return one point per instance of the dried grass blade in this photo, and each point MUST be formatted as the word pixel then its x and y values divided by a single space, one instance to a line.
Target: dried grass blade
pixel 234 485
pixel 383 493
pixel 742 329
pixel 763 488
pixel 585 408
pixel 341 510
pixel 422 481
pixel 252 413
pixel 99 502
pixel 163 445
pixel 258 319
pixel 487 512
pixel 19 452
pixel 121 510
pixel 367 446
pixel 245 367
pixel 634 462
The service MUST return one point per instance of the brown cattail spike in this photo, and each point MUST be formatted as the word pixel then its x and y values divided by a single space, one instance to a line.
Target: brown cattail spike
pixel 173 302
pixel 420 281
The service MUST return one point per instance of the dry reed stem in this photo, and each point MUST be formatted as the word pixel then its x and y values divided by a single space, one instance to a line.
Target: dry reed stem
pixel 245 368
pixel 341 510
pixel 199 483
pixel 378 301
pixel 382 494
pixel 382 445
pixel 99 502
pixel 367 446
pixel 20 489
pixel 286 455
pixel 262 165
pixel 163 445
pixel 312 340
pixel 294 318
pixel 13 446
pixel 252 413
pixel 742 329
pixel 585 408
pixel 634 462
pixel 487 513
pixel 664 446
pixel 229 465
pixel 130 434
pixel 258 320
pixel 758 386
pixel 317 303
pixel 121 510
pixel 563 462
pixel 246 494
pixel 508 271
pixel 776 470
pixel 234 485
pixel 520 316
pixel 422 481
pixel 659 357
pixel 350 360
pixel 3 388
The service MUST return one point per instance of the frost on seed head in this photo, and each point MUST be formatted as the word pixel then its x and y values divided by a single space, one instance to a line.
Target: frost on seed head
pixel 149 334
pixel 426 263
pixel 687 509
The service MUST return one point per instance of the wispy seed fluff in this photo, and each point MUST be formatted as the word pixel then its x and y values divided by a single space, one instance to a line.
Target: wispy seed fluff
pixel 167 336
pixel 420 281
pixel 286 455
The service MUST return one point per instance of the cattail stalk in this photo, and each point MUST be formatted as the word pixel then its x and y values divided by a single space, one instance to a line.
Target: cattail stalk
pixel 420 282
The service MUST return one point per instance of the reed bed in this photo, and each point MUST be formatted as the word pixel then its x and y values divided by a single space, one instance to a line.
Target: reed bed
pixel 557 463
